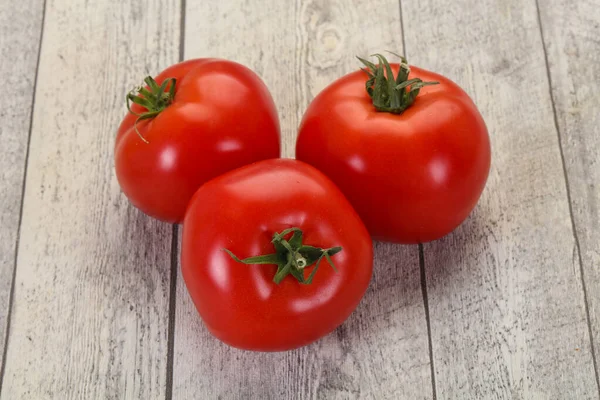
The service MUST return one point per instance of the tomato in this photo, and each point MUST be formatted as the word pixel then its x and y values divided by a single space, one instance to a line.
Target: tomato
pixel 411 153
pixel 219 116
pixel 260 210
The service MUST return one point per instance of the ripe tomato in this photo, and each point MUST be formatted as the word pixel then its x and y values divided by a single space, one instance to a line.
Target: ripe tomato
pixel 219 116
pixel 249 212
pixel 412 165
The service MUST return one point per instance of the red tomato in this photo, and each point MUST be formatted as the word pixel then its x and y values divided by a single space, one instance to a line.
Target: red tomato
pixel 219 117
pixel 413 171
pixel 242 211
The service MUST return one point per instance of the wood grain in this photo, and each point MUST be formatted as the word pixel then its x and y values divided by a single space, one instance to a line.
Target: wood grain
pixel 381 352
pixel 20 27
pixel 90 312
pixel 572 42
pixel 506 302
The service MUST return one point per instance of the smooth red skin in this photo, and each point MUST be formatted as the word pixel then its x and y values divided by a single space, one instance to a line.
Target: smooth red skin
pixel 222 118
pixel 412 177
pixel 240 211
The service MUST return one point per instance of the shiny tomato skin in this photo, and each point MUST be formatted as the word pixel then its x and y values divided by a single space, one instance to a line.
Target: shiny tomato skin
pixel 222 118
pixel 240 304
pixel 412 177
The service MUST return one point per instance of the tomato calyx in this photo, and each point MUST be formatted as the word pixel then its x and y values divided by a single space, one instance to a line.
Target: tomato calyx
pixel 292 257
pixel 388 93
pixel 153 98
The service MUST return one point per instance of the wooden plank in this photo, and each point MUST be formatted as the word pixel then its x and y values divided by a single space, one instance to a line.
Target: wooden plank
pixel 91 298
pixel 506 301
pixel 573 49
pixel 382 350
pixel 20 28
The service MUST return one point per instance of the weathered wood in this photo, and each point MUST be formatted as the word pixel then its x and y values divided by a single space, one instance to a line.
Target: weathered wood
pixel 91 300
pixel 573 53
pixel 572 42
pixel 382 350
pixel 506 302
pixel 20 27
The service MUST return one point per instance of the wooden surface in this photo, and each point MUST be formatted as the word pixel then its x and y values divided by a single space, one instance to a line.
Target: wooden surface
pixel 508 306
pixel 90 307
pixel 505 290
pixel 572 43
pixel 20 26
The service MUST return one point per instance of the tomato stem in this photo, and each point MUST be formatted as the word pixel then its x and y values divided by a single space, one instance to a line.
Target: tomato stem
pixel 154 99
pixel 291 256
pixel 388 93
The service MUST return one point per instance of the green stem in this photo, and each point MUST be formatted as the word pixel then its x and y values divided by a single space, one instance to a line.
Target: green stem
pixel 388 93
pixel 154 99
pixel 291 256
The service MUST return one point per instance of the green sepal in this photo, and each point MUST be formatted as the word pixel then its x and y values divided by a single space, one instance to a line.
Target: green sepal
pixel 154 99
pixel 313 272
pixel 282 272
pixel 291 256
pixel 312 254
pixel 264 259
pixel 296 240
pixel 388 93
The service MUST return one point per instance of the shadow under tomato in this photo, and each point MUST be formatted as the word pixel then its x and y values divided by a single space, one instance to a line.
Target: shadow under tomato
pixel 144 257
pixel 465 251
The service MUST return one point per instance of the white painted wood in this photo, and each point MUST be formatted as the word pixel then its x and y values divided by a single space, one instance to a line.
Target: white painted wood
pixel 505 295
pixel 20 26
pixel 91 299
pixel 381 352
pixel 572 41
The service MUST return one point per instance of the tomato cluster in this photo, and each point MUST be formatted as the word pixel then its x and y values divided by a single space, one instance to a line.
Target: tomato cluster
pixel 276 252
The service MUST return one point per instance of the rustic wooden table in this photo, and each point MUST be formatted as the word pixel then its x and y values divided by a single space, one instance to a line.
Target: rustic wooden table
pixel 92 305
